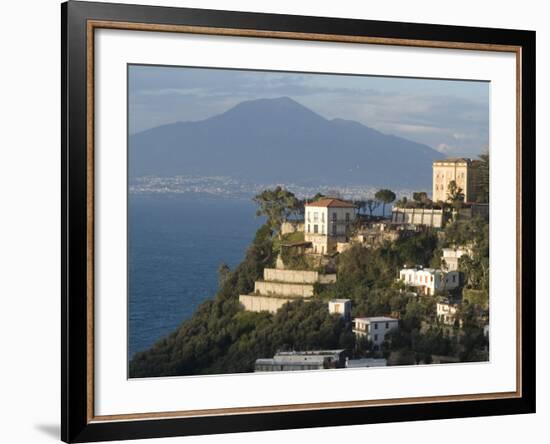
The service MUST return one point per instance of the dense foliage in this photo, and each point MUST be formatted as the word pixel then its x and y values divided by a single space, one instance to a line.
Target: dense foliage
pixel 475 234
pixel 483 174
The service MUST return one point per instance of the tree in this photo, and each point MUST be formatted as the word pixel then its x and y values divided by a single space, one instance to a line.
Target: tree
pixel 420 196
pixel 422 199
pixel 385 196
pixel 402 203
pixel 360 205
pixel 455 194
pixel 483 178
pixel 372 205
pixel 277 205
pixel 317 197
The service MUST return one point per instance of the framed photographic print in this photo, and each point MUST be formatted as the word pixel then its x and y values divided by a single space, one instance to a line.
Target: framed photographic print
pixel 275 221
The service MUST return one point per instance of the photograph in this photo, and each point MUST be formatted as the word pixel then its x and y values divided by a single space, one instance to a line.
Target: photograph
pixel 277 221
pixel 301 221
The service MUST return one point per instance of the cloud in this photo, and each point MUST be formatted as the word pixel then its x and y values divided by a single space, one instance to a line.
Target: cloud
pixel 439 113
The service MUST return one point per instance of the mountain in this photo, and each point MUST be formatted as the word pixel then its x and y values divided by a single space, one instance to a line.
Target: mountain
pixel 281 141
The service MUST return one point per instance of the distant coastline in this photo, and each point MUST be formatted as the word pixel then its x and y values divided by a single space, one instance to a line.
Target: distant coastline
pixel 229 187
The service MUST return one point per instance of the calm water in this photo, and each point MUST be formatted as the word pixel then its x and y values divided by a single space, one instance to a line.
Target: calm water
pixel 176 245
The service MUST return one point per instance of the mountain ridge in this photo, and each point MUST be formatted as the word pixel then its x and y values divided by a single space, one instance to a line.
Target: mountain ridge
pixel 280 140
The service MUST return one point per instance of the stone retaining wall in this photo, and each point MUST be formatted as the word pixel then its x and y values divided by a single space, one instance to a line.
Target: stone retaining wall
pixel 262 303
pixel 283 289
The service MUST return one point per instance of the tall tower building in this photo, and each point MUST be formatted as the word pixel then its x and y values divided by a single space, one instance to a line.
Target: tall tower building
pixel 463 171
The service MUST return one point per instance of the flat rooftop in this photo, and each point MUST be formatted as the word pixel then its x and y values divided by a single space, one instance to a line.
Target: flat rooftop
pixel 377 319
pixel 310 353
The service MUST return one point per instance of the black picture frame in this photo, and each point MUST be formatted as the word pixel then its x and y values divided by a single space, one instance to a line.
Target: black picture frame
pixel 76 423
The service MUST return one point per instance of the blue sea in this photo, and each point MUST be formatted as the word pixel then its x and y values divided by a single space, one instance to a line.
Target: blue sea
pixel 176 244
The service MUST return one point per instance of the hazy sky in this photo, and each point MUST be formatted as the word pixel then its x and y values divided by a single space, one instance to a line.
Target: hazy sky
pixel 450 116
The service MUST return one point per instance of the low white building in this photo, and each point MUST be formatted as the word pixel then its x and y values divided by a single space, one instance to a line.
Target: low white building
pixel 429 280
pixel 374 328
pixel 328 221
pixel 446 312
pixel 341 307
pixel 450 257
pixel 301 360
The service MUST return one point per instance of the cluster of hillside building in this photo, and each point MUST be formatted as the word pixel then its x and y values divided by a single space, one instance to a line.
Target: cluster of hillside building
pixel 372 329
pixel 331 226
pixel 465 173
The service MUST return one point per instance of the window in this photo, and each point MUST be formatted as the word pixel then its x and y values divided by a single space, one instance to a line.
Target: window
pixel 375 326
pixel 308 228
pixel 387 325
pixel 454 277
pixel 322 217
pixel 315 216
pixel 347 217
pixel 334 230
pixel 334 216
pixel 376 337
pixel 315 228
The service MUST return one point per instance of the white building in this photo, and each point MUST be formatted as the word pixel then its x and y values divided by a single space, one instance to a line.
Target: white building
pixel 328 221
pixel 301 360
pixel 374 328
pixel 446 312
pixel 450 257
pixel 430 280
pixel 341 307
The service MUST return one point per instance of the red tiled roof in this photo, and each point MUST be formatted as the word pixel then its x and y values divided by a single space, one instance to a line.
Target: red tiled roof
pixel 329 202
